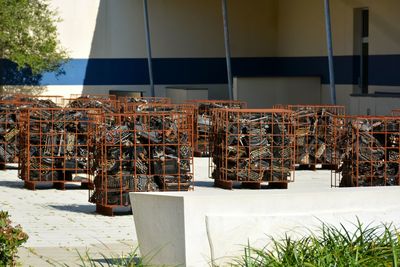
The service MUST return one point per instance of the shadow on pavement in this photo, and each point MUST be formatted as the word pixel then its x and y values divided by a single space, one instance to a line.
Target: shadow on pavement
pixel 12 184
pixel 87 208
pixel 204 183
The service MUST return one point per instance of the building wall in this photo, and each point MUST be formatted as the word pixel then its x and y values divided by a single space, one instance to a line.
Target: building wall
pixel 281 38
pixel 106 41
pixel 301 42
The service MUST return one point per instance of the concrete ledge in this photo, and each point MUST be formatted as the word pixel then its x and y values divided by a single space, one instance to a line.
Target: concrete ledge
pixel 192 228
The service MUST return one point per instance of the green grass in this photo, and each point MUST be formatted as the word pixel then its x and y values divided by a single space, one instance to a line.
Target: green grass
pixel 331 246
pixel 130 260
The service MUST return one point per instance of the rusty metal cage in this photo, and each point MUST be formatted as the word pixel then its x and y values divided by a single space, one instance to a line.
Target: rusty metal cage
pixel 203 121
pixel 128 103
pixel 10 108
pixel 252 146
pixel 57 145
pixel 106 105
pixel 313 134
pixel 396 112
pixel 368 151
pixel 142 151
pixel 93 96
pixel 44 101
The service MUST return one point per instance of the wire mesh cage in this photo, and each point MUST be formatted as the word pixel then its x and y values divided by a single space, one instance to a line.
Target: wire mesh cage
pixel 10 109
pixel 93 96
pixel 368 151
pixel 203 121
pixel 141 151
pixel 43 101
pixel 252 146
pixel 105 104
pixel 128 103
pixel 57 145
pixel 313 134
pixel 396 112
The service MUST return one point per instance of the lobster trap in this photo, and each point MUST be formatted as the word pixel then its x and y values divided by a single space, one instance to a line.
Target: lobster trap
pixel 128 103
pixel 10 109
pixel 252 146
pixel 93 96
pixel 57 145
pixel 368 151
pixel 140 152
pixel 314 128
pixel 396 112
pixel 203 121
pixel 107 105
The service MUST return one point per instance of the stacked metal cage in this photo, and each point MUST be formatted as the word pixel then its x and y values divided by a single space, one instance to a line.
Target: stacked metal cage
pixel 136 103
pixel 140 151
pixel 203 121
pixel 109 105
pixel 252 146
pixel 56 145
pixel 368 151
pixel 10 109
pixel 396 112
pixel 313 132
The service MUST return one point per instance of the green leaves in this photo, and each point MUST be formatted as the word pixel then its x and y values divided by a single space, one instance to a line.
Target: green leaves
pixel 331 246
pixel 28 35
pixel 10 239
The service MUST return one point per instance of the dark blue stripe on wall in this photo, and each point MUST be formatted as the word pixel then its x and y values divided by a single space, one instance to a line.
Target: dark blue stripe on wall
pixel 384 70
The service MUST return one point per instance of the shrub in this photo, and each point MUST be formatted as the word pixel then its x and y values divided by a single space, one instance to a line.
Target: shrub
pixel 10 239
pixel 333 246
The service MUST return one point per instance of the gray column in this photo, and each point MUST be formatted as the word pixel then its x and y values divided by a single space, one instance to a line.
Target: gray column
pixel 227 49
pixel 330 53
pixel 148 43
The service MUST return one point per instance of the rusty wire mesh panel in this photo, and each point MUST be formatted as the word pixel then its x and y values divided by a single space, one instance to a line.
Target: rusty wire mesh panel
pixel 10 108
pixel 142 151
pixel 44 101
pixel 280 106
pixel 93 96
pixel 203 122
pixel 314 134
pixel 128 103
pixel 8 133
pixel 396 112
pixel 57 146
pixel 252 146
pixel 105 104
pixel 369 151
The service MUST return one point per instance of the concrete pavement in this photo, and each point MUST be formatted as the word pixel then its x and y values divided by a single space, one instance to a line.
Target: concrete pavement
pixel 62 223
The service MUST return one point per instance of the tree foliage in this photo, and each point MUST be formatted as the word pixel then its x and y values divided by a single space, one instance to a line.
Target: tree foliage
pixel 28 35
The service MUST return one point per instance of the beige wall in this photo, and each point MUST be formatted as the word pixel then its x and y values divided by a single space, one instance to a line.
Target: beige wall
pixel 301 28
pixel 179 28
pixel 264 92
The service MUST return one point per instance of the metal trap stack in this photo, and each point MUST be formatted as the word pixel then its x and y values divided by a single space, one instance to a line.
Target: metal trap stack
pixel 137 103
pixel 203 121
pixel 107 105
pixel 141 151
pixel 252 146
pixel 57 146
pixel 10 109
pixel 369 151
pixel 313 134
pixel 396 112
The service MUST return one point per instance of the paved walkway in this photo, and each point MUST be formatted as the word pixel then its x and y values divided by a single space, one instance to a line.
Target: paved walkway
pixel 61 224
